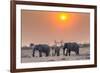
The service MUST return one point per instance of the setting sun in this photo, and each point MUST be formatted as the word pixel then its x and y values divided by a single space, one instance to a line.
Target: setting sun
pixel 63 16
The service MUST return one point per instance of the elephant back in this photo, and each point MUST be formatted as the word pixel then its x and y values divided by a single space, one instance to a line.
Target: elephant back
pixel 71 46
pixel 45 47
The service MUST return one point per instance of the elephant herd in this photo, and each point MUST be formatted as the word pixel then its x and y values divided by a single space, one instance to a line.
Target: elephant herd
pixel 46 49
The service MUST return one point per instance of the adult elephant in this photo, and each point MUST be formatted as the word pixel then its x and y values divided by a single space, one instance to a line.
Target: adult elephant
pixel 42 48
pixel 68 47
pixel 55 50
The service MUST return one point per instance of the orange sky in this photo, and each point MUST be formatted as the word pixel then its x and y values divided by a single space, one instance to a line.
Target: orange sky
pixel 47 26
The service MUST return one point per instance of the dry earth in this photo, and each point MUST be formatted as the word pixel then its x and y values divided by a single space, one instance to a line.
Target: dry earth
pixel 26 56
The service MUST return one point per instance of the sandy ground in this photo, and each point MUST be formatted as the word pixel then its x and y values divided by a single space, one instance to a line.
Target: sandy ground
pixel 26 56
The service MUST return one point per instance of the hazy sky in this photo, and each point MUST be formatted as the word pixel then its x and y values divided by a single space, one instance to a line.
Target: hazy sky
pixel 47 26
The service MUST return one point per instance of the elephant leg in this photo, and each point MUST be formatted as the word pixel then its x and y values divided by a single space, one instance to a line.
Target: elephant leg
pixel 58 53
pixel 77 52
pixel 33 53
pixel 64 51
pixel 69 52
pixel 40 54
pixel 55 52
pixel 47 54
pixel 52 52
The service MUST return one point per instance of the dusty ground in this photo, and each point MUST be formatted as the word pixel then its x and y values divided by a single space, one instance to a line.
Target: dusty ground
pixel 26 56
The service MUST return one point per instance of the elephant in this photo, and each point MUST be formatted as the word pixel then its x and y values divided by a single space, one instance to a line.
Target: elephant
pixel 68 47
pixel 55 50
pixel 42 48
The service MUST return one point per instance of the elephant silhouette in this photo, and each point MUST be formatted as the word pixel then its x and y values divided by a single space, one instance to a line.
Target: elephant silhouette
pixel 68 47
pixel 42 48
